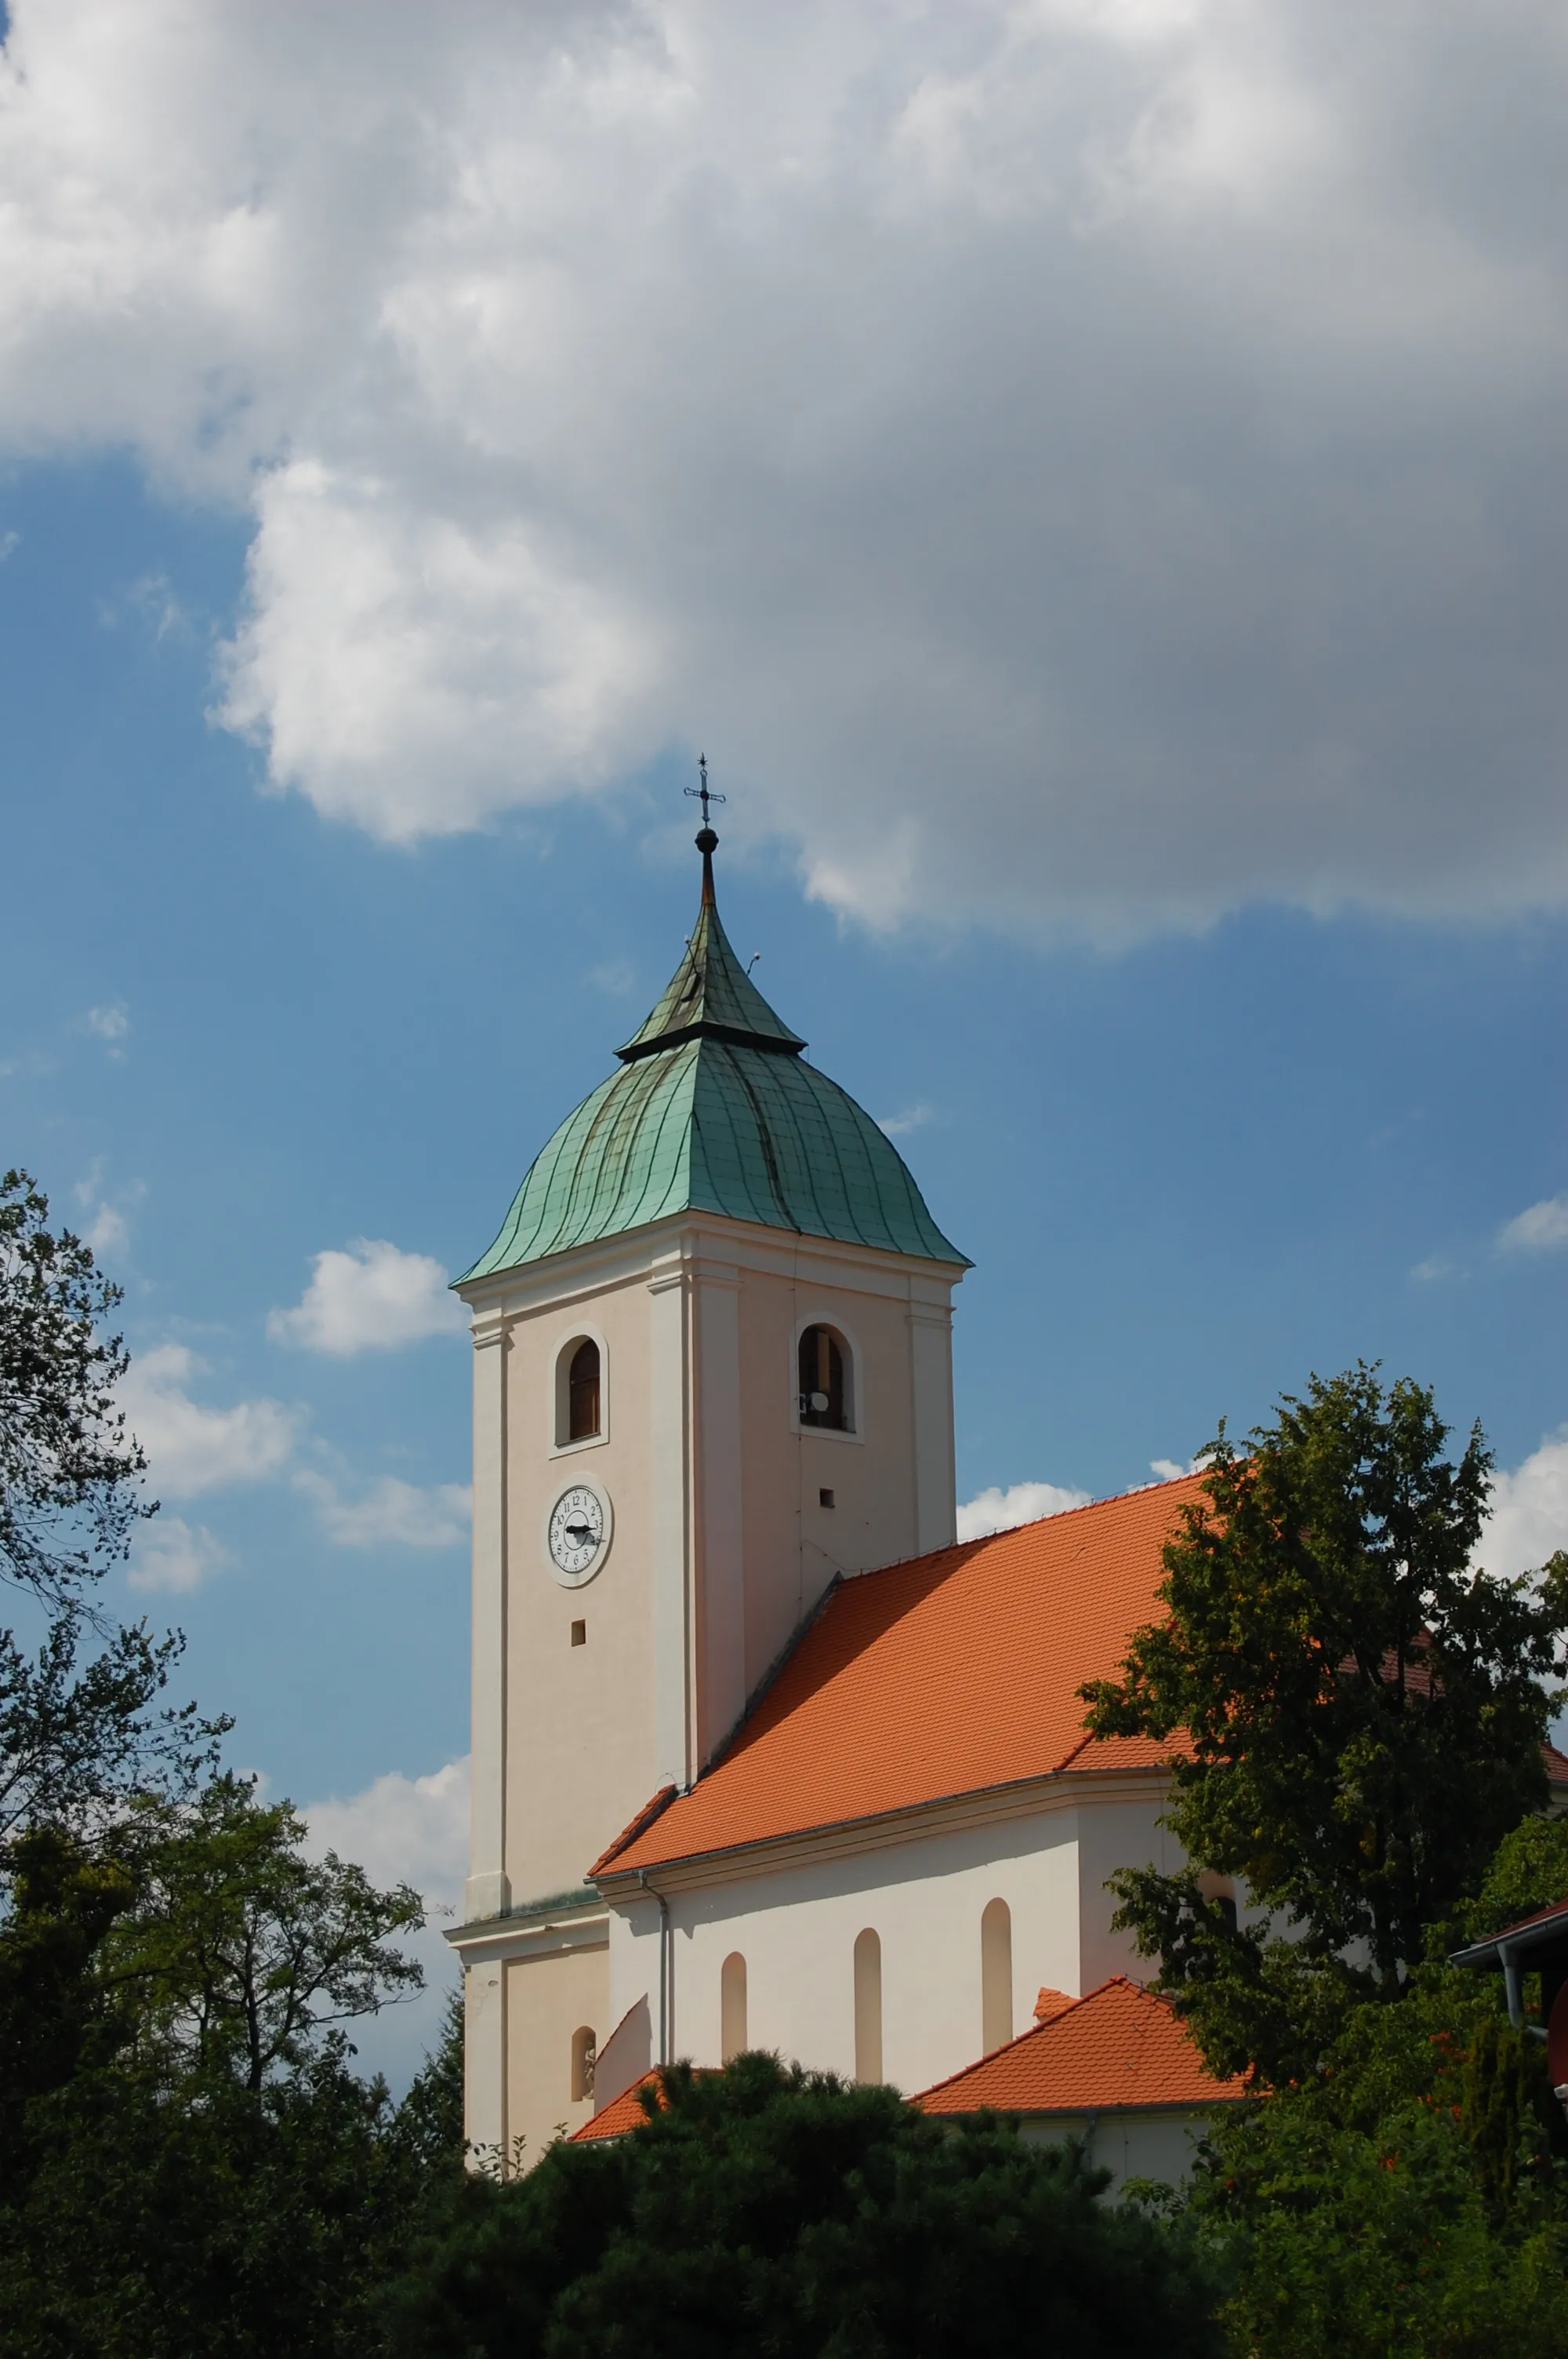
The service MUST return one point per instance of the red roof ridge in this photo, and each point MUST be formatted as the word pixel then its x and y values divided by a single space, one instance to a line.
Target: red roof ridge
pixel 1061 2066
pixel 1035 2029
pixel 655 1808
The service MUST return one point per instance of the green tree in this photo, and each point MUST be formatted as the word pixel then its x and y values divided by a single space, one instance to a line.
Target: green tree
pixel 243 1950
pixel 70 1472
pixel 769 2210
pixel 1357 1717
pixel 191 2163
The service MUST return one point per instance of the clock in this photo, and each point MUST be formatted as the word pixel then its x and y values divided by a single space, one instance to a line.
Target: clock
pixel 576 1534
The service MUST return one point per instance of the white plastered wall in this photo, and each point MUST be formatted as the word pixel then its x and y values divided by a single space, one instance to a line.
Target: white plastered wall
pixel 795 1928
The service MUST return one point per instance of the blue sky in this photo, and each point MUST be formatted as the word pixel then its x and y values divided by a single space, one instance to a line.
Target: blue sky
pixel 1085 477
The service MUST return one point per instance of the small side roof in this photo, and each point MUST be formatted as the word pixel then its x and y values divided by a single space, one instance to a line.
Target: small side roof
pixel 1118 2049
pixel 949 1674
pixel 1531 1937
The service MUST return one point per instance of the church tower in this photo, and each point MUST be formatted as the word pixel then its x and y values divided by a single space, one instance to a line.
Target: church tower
pixel 712 1373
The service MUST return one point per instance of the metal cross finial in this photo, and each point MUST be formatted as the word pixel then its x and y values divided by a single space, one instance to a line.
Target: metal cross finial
pixel 708 794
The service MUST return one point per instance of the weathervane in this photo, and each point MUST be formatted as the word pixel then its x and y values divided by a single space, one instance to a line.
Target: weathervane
pixel 708 794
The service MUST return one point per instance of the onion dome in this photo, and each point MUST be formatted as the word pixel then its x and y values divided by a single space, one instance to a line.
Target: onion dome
pixel 714 1109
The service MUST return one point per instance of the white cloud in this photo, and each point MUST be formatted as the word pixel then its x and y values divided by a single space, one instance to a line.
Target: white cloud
pixel 176 1557
pixel 1540 1225
pixel 390 1513
pixel 110 1024
pixel 914 1117
pixel 1434 1271
pixel 1123 409
pixel 105 1224
pixel 403 1829
pixel 371 1298
pixel 192 1448
pixel 415 1831
pixel 10 542
pixel 1528 1519
pixel 997 1510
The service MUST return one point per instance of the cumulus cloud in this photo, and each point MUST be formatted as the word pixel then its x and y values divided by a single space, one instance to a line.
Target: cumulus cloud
pixel 111 1023
pixel 413 1831
pixel 1539 1225
pixel 371 1298
pixel 390 1513
pixel 1132 413
pixel 898 1125
pixel 175 1556
pixel 1528 1518
pixel 193 1447
pixel 997 1510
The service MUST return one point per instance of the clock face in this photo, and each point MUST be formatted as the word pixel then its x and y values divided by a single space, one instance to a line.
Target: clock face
pixel 578 1534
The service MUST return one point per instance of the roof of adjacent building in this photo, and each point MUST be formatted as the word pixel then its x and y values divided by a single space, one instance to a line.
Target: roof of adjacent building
pixel 943 1676
pixel 626 2112
pixel 714 1109
pixel 1545 1930
pixel 1119 2048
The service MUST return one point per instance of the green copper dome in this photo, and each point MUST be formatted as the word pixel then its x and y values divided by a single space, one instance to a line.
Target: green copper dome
pixel 715 1110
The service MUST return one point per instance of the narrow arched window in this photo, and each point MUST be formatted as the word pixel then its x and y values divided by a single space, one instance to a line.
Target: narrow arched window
pixel 732 2007
pixel 996 1975
pixel 582 1393
pixel 868 2006
pixel 584 2048
pixel 824 1389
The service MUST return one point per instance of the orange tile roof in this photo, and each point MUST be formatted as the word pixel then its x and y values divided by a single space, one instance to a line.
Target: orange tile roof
pixel 1051 2002
pixel 945 1674
pixel 1120 2046
pixel 626 2112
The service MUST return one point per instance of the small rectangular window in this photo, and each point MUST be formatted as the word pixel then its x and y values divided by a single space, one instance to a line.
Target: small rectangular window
pixel 579 1634
pixel 825 1499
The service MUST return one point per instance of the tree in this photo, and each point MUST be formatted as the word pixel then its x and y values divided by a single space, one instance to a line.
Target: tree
pixel 1407 2195
pixel 188 2161
pixel 70 1473
pixel 76 1739
pixel 244 1949
pixel 770 2210
pixel 1355 1716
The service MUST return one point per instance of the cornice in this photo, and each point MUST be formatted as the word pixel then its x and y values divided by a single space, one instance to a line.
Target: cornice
pixel 532 1933
pixel 632 1254
pixel 1056 1789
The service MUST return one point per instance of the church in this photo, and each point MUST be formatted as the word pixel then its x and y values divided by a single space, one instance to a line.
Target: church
pixel 762 1756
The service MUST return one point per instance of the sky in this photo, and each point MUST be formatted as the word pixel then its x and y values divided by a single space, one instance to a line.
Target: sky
pixel 1088 475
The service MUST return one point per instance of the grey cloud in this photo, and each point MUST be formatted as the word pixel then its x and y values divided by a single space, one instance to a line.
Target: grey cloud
pixel 1081 466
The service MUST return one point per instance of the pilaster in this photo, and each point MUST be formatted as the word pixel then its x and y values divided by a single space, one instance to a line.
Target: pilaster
pixel 487 1892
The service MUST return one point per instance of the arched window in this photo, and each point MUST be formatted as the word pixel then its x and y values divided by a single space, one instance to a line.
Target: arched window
pixel 824 1380
pixel 582 1392
pixel 868 2006
pixel 583 2052
pixel 996 1975
pixel 732 2007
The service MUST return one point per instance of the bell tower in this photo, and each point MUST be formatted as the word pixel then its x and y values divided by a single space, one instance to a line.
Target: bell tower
pixel 712 1373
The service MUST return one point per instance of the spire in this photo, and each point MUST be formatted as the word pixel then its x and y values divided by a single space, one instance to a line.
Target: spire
pixel 710 994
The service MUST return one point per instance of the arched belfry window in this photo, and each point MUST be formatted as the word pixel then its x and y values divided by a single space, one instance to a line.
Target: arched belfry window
pixel 582 1392
pixel 824 1391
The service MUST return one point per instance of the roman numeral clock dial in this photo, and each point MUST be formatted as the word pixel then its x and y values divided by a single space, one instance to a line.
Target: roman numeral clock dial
pixel 576 1534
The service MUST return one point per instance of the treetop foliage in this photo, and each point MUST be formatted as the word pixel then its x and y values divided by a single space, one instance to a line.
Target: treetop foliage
pixel 70 1472
pixel 771 2210
pixel 1361 1714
